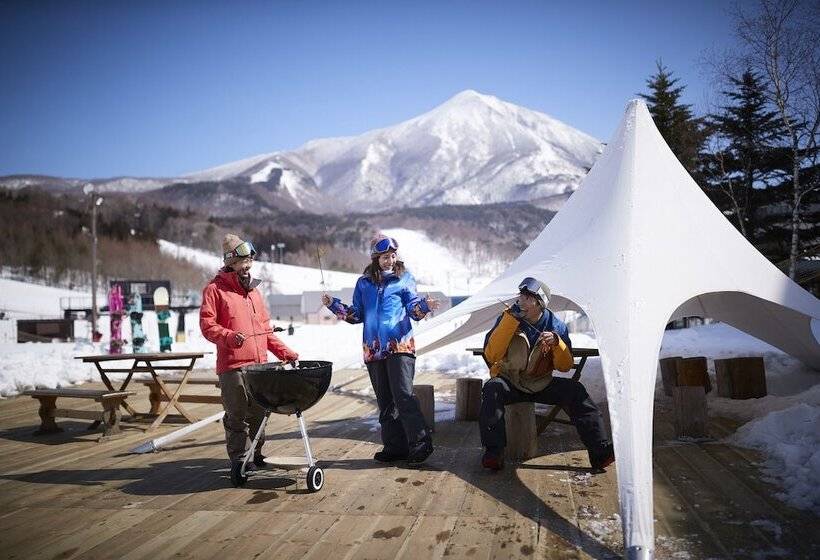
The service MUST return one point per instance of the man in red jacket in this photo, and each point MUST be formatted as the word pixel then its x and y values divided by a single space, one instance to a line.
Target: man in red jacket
pixel 234 317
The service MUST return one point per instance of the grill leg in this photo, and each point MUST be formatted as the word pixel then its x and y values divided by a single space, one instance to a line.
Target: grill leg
pixel 249 453
pixel 305 440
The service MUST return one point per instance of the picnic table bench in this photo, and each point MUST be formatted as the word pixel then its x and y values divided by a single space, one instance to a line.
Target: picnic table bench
pixel 150 363
pixel 109 417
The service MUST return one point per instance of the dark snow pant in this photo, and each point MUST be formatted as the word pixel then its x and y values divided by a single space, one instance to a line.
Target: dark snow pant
pixel 399 414
pixel 243 415
pixel 568 394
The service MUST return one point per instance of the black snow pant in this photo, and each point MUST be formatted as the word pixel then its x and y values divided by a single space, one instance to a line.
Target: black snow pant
pixel 399 414
pixel 570 395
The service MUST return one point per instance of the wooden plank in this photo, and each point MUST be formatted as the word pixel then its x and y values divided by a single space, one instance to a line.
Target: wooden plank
pixel 387 537
pixel 204 399
pixel 123 543
pixel 221 539
pixel 166 543
pixel 78 393
pixel 428 538
pixel 343 537
pixel 111 524
pixel 708 509
pixel 82 414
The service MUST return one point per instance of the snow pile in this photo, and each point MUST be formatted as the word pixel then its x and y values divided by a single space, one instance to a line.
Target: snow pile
pixel 790 438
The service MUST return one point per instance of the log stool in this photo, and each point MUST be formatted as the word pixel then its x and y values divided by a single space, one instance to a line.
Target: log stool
pixel 684 372
pixel 427 404
pixel 741 378
pixel 669 373
pixel 692 372
pixel 521 431
pixel 468 398
pixel 689 411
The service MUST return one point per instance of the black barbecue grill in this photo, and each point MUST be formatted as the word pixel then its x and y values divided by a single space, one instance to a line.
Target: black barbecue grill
pixel 284 389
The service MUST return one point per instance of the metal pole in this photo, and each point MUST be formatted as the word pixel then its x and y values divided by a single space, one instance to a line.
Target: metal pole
pixel 305 440
pixel 93 265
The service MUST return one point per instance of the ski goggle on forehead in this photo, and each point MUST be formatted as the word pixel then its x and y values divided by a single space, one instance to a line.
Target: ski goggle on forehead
pixel 244 249
pixel 384 245
pixel 533 287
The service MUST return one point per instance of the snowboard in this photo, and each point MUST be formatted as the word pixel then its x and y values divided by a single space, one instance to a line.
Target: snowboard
pixel 135 314
pixel 116 309
pixel 161 306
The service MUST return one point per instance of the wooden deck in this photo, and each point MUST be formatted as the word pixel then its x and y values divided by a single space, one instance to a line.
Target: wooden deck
pixel 67 496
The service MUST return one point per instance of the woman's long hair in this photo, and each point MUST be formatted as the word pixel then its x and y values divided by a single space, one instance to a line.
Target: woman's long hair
pixel 374 272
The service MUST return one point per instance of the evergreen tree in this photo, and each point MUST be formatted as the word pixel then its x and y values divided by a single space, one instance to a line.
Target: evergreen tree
pixel 684 134
pixel 747 158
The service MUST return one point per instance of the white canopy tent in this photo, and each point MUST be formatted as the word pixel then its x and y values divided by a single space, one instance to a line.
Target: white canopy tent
pixel 637 245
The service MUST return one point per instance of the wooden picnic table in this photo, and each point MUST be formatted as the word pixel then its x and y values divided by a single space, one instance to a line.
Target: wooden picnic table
pixel 147 363
pixel 579 356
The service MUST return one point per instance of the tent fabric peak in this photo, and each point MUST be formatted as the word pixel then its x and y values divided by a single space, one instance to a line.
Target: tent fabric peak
pixel 636 245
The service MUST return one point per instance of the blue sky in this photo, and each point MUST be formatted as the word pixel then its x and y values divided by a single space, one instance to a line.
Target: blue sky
pixel 100 89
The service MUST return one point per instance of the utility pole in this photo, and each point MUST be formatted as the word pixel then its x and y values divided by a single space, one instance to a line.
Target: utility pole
pixel 95 202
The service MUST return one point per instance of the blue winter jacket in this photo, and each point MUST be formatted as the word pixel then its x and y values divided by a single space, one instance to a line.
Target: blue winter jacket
pixel 385 310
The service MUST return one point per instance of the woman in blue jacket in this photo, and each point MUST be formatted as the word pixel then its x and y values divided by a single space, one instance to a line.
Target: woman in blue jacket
pixel 385 300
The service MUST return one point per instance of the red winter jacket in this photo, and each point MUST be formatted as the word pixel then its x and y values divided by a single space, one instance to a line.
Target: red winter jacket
pixel 228 309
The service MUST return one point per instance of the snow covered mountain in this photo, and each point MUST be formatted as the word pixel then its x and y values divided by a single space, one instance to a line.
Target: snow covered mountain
pixel 113 184
pixel 473 149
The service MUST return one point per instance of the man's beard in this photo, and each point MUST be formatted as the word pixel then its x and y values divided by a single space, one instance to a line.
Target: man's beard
pixel 245 280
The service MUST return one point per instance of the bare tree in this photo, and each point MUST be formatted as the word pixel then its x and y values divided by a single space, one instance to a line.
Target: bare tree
pixel 781 41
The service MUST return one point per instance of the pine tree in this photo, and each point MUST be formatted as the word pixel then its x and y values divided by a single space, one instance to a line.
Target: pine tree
pixel 684 134
pixel 747 158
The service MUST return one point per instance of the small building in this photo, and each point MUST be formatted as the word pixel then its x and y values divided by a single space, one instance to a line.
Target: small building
pixel 288 307
pixel 314 310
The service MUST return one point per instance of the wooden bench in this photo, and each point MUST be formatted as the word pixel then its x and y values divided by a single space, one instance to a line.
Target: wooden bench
pixel 156 396
pixel 542 419
pixel 109 416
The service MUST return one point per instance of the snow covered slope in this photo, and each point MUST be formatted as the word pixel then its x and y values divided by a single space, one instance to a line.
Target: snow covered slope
pixel 435 268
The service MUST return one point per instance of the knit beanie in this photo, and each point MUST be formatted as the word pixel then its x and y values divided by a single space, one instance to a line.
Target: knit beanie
pixel 229 243
pixel 394 245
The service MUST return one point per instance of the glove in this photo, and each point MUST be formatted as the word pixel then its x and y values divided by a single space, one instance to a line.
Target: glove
pixel 516 312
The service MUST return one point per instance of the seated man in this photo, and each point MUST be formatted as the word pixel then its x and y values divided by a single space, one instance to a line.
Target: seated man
pixel 523 348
